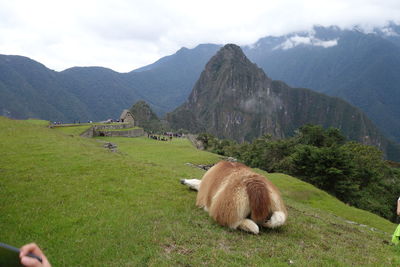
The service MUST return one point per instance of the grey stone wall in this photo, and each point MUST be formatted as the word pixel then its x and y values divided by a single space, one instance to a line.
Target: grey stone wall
pixel 104 130
pixel 193 139
pixel 88 133
pixel 128 133
pixel 114 126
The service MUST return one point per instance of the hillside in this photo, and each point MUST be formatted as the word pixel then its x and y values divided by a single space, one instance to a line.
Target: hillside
pixel 103 91
pixel 354 65
pixel 234 99
pixel 145 117
pixel 28 89
pixel 70 194
pixel 167 82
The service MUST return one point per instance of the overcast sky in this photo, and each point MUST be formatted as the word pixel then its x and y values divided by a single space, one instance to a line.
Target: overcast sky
pixel 124 35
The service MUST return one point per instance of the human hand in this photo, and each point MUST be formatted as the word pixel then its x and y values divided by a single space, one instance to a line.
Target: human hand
pixel 32 262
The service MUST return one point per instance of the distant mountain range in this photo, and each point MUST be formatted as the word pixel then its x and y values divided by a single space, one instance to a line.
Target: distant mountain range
pixel 29 89
pixel 234 99
pixel 360 67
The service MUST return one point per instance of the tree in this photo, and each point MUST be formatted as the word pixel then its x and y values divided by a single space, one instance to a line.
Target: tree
pixel 316 135
pixel 329 168
pixel 207 139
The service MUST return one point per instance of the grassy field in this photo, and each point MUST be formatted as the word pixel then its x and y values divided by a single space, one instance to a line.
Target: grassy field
pixel 87 206
pixel 74 130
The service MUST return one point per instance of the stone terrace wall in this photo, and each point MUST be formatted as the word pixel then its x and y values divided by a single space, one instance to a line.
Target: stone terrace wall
pixel 114 126
pixel 104 130
pixel 193 139
pixel 88 133
pixel 128 133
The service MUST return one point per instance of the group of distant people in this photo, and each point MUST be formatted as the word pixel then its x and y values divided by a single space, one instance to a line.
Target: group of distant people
pixel 163 137
pixel 159 138
pixel 75 122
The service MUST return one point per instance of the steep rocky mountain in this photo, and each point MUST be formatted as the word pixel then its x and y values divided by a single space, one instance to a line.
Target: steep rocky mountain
pixel 358 66
pixel 233 98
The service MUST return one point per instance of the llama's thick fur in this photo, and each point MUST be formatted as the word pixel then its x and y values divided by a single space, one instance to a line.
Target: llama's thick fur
pixel 237 197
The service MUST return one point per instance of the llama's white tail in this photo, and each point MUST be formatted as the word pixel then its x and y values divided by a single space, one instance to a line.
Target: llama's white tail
pixel 278 218
pixel 192 183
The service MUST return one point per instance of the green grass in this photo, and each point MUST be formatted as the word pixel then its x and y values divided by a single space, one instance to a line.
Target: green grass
pixel 305 193
pixel 38 122
pixel 73 131
pixel 86 206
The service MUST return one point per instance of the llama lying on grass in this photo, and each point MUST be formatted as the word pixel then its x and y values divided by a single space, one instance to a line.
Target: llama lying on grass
pixel 237 197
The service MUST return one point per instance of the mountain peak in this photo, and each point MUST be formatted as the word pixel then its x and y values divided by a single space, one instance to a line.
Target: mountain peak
pixel 234 99
pixel 228 74
pixel 230 62
pixel 230 52
pixel 231 48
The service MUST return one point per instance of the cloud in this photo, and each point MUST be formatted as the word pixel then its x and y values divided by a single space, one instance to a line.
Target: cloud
pixel 297 40
pixel 389 32
pixel 127 34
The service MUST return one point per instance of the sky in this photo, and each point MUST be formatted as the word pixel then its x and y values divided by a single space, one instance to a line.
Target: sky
pixel 124 35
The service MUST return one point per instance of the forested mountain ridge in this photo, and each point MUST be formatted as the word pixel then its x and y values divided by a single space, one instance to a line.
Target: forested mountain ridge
pixel 29 89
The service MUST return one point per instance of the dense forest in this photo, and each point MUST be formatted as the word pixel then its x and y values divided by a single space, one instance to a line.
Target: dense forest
pixel 354 173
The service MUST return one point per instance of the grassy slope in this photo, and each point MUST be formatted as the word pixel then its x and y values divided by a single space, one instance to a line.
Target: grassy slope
pixel 87 206
pixel 74 130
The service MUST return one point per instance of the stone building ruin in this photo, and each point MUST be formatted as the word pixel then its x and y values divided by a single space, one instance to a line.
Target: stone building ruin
pixel 126 116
